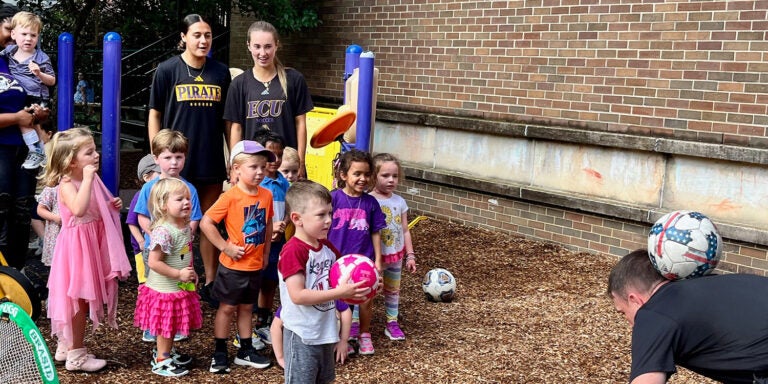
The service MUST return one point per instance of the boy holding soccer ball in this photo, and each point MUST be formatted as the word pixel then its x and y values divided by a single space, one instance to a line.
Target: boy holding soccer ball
pixel 310 335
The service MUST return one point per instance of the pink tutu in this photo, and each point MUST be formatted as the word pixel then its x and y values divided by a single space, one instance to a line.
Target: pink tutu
pixel 167 314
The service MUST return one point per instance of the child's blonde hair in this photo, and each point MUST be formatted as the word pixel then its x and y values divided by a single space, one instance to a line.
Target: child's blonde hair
pixel 158 199
pixel 25 19
pixel 65 145
pixel 382 158
pixel 173 141
pixel 290 155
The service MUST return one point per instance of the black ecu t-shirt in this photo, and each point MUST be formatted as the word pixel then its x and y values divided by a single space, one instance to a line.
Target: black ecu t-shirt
pixel 250 106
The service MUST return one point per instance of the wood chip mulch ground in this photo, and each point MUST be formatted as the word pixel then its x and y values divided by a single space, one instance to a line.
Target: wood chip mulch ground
pixel 526 312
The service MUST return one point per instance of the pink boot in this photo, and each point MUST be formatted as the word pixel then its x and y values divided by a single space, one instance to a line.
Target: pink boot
pixel 80 360
pixel 61 353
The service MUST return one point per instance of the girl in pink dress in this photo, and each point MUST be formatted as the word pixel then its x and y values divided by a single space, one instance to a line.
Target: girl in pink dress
pixel 168 303
pixel 89 255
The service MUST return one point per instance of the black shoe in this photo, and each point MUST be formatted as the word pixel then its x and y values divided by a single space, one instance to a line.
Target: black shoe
pixel 205 295
pixel 168 368
pixel 220 363
pixel 179 359
pixel 250 358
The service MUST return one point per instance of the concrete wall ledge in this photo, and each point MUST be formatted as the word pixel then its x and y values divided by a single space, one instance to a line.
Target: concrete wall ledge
pixel 580 136
pixel 587 204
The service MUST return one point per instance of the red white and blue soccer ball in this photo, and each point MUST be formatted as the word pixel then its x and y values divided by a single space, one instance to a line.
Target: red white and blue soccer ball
pixel 359 268
pixel 439 285
pixel 684 245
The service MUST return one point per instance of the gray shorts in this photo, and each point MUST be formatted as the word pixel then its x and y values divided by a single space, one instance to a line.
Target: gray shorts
pixel 307 363
pixel 235 287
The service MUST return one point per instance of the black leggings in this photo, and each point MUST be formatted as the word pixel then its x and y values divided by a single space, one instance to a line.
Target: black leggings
pixel 17 199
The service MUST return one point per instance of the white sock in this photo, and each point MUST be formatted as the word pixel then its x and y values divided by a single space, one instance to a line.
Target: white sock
pixel 30 138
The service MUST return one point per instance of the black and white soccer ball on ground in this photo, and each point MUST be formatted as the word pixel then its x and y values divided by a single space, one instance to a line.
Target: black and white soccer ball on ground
pixel 684 245
pixel 439 285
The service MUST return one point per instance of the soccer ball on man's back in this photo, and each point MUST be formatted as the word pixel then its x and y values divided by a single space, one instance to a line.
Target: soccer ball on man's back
pixel 439 285
pixel 684 245
pixel 359 268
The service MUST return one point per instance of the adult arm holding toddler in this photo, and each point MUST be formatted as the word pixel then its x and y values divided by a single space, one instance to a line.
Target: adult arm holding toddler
pixel 24 118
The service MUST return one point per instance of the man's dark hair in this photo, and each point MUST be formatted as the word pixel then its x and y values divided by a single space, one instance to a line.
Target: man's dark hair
pixel 7 11
pixel 633 270
pixel 263 136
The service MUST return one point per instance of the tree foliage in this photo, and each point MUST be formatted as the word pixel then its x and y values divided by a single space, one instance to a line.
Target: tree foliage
pixel 143 22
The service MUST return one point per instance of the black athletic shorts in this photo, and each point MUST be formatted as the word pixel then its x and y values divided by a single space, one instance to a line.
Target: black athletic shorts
pixel 236 287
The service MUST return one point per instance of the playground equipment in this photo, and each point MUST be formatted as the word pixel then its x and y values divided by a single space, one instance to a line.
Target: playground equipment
pixel 110 111
pixel 17 288
pixel 351 126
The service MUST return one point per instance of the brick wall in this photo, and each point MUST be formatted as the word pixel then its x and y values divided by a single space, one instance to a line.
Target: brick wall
pixel 689 69
pixel 577 231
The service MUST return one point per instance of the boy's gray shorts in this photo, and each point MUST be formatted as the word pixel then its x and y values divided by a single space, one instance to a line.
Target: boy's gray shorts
pixel 307 363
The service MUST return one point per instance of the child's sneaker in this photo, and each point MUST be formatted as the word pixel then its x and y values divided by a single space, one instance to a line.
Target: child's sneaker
pixel 263 334
pixel 219 363
pixel 350 350
pixel 255 341
pixel 393 331
pixel 366 345
pixel 180 359
pixel 179 337
pixel 34 160
pixel 249 357
pixel 168 368
pixel 148 337
pixel 354 330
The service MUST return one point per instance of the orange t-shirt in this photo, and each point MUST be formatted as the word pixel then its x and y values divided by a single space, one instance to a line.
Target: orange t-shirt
pixel 245 218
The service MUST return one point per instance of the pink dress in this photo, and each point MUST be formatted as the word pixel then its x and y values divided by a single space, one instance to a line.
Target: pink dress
pixel 163 307
pixel 88 258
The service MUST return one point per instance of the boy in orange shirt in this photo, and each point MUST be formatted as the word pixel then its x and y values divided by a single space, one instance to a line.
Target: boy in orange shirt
pixel 247 213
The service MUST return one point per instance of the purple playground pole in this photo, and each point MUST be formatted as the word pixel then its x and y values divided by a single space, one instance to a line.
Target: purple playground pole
pixel 351 61
pixel 110 112
pixel 364 102
pixel 65 116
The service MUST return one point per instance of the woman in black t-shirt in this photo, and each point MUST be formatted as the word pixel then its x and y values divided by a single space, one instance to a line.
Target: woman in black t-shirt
pixel 188 94
pixel 269 96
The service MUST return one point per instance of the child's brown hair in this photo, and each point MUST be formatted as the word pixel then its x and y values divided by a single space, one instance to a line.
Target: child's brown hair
pixel 167 139
pixel 344 162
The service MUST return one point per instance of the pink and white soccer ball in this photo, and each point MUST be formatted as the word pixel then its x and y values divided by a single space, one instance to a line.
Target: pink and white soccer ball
pixel 360 268
pixel 684 245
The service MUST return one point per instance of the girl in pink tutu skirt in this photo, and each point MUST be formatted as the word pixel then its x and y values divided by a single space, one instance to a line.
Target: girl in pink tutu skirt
pixel 89 255
pixel 168 303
